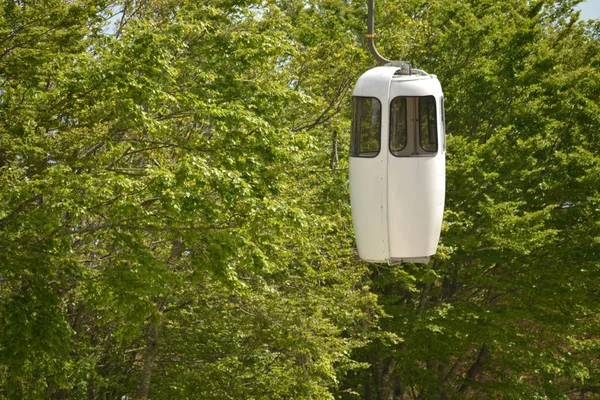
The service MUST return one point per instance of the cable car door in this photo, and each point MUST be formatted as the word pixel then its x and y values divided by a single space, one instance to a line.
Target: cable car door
pixel 416 174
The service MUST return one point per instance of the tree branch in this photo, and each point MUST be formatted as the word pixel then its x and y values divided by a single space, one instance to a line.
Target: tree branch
pixel 476 368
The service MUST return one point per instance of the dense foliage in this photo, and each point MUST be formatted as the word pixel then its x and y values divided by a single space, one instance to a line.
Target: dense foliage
pixel 174 214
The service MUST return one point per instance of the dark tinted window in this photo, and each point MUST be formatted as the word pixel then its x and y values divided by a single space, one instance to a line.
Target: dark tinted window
pixel 427 124
pixel 413 126
pixel 443 124
pixel 398 125
pixel 366 127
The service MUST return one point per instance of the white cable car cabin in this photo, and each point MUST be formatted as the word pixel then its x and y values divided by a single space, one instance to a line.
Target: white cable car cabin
pixel 397 165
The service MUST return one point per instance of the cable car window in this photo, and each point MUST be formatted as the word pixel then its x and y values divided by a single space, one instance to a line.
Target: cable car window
pixel 366 127
pixel 443 124
pixel 413 126
pixel 398 125
pixel 443 101
pixel 427 124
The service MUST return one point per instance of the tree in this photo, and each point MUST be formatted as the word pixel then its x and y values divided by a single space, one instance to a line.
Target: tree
pixel 510 297
pixel 153 243
pixel 174 219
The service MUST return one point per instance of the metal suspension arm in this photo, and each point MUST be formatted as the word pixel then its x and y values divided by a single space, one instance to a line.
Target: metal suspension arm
pixel 405 67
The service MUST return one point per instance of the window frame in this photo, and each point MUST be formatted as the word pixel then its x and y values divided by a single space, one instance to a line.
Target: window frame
pixel 428 117
pixel 395 152
pixel 413 146
pixel 354 135
pixel 443 125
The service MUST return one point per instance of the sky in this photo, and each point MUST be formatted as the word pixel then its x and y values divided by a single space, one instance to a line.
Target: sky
pixel 590 9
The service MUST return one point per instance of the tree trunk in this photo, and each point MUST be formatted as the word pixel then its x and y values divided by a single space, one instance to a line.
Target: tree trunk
pixel 148 362
pixel 475 369
pixel 385 374
pixel 398 388
pixel 333 163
